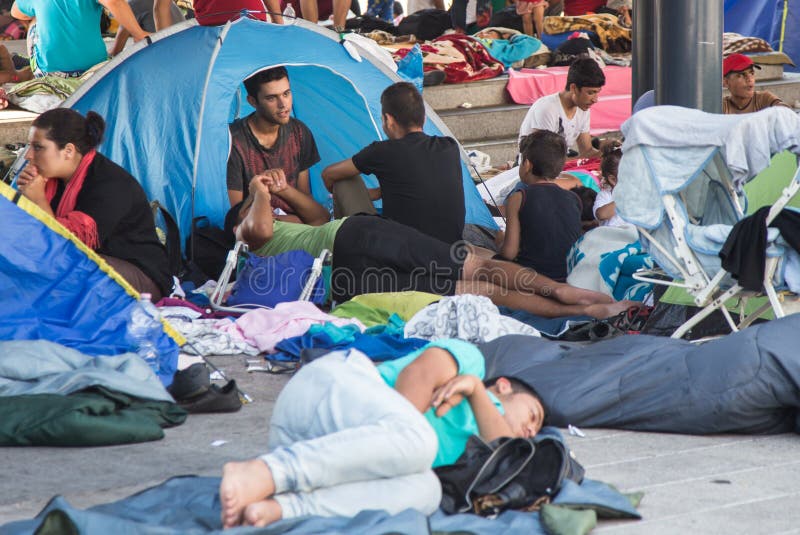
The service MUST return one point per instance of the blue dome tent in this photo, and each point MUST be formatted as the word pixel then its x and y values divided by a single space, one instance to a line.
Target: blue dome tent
pixel 168 103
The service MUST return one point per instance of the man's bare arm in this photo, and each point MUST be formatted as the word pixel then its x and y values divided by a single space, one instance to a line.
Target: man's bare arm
pixel 161 14
pixel 19 15
pixel 510 247
pixel 418 381
pixel 339 171
pixel 491 424
pixel 303 204
pixel 585 149
pixel 125 17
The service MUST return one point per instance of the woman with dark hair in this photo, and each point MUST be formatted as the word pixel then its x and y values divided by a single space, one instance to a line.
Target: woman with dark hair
pixel 94 198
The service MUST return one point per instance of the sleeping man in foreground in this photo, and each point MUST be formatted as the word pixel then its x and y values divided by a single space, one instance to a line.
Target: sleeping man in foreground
pixel 348 436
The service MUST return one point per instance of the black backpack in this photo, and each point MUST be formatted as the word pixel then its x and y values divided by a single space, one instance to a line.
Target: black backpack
pixel 171 238
pixel 207 247
pixel 508 473
pixel 426 25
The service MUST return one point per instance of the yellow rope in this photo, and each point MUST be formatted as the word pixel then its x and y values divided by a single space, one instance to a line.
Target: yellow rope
pixel 783 23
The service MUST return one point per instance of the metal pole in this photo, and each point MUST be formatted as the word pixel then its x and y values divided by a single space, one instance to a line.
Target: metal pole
pixel 645 30
pixel 689 55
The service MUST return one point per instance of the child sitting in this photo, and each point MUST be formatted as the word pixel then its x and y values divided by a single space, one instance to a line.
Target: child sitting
pixel 543 220
pixel 605 209
pixel 532 11
pixel 347 436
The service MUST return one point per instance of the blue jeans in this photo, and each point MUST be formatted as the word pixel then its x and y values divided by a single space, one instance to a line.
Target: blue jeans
pixel 341 441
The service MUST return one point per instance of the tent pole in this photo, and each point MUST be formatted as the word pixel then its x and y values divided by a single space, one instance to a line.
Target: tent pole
pixel 689 56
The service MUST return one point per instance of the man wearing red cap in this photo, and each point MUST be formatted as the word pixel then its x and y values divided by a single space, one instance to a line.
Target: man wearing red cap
pixel 739 78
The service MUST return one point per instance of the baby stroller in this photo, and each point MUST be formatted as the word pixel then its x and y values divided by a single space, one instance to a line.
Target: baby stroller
pixel 681 183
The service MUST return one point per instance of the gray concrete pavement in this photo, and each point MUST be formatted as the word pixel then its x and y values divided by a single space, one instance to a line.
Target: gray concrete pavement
pixel 708 485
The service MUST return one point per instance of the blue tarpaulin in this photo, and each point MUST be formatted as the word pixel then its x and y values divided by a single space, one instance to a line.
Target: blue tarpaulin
pixel 54 288
pixel 775 21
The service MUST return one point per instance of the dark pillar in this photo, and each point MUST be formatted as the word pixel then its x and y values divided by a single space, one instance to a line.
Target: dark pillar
pixel 644 47
pixel 689 54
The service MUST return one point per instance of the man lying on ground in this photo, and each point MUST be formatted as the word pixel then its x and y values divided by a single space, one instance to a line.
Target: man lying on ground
pixel 373 254
pixel 419 175
pixel 347 436
pixel 271 139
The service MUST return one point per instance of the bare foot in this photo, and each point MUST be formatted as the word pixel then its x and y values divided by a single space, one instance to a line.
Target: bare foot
pixel 3 99
pixel 603 311
pixel 242 484
pixel 262 513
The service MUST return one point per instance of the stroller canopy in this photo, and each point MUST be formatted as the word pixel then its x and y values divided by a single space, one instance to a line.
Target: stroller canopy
pixel 667 147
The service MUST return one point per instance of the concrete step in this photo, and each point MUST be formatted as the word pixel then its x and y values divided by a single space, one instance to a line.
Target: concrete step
pixel 769 72
pixel 499 150
pixel 490 122
pixel 478 94
pixel 787 88
pixel 14 125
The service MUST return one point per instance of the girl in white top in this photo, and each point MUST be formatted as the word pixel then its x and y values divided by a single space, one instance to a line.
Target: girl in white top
pixel 605 210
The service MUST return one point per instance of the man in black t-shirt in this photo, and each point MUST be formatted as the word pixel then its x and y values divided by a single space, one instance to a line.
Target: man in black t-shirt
pixel 419 175
pixel 271 142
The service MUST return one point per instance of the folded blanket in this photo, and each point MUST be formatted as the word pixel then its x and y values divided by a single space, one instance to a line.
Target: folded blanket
pixel 92 417
pixel 613 36
pixel 461 57
pixel 733 43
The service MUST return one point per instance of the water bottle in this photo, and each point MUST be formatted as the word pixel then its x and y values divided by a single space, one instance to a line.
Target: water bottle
pixel 288 11
pixel 144 329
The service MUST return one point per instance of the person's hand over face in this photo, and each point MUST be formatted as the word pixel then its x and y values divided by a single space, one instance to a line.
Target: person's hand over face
pixel 453 392
pixel 31 183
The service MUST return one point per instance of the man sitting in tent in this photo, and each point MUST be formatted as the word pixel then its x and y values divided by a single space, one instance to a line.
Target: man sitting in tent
pixel 271 139
pixel 567 113
pixel 374 254
pixel 739 77
pixel 419 175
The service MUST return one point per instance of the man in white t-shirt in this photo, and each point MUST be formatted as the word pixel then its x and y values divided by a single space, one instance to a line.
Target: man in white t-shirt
pixel 567 113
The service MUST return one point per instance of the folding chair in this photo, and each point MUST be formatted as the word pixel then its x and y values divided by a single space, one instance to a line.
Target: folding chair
pixel 681 183
pixel 241 250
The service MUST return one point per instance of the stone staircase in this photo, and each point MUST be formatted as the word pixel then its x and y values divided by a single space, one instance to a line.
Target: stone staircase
pixel 481 115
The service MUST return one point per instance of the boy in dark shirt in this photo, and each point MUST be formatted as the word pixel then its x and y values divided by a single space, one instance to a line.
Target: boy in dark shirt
pixel 419 175
pixel 543 220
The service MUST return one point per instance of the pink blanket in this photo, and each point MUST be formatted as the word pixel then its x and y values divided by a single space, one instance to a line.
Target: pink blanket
pixel 613 108
pixel 265 328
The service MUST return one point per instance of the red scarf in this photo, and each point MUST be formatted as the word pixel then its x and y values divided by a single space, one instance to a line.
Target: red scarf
pixel 79 223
